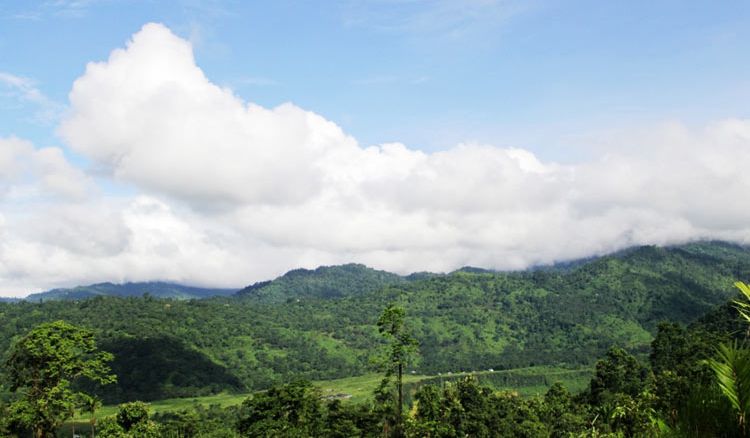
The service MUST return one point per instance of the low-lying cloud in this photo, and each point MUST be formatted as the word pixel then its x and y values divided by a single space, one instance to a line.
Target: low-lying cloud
pixel 229 192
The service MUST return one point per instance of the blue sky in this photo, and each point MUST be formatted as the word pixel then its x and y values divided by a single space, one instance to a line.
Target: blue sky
pixel 224 142
pixel 535 74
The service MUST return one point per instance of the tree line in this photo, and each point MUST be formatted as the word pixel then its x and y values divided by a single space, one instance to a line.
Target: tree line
pixel 694 383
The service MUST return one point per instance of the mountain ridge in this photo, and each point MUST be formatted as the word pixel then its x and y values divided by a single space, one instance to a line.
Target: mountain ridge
pixel 155 289
pixel 301 283
pixel 463 320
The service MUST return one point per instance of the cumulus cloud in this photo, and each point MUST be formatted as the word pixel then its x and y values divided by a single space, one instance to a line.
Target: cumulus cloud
pixel 151 116
pixel 230 192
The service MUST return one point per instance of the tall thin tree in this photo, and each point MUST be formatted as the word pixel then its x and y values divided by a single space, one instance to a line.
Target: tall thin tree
pixel 401 349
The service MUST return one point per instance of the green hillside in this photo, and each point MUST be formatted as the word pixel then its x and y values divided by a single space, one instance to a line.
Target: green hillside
pixel 325 282
pixel 464 321
pixel 157 289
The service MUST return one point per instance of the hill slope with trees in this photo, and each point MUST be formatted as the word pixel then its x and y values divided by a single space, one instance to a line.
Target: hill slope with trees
pixel 325 282
pixel 157 289
pixel 462 321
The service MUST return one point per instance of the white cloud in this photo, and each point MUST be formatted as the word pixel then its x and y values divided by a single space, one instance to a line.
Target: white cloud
pixel 12 153
pixel 231 193
pixel 26 171
pixel 151 115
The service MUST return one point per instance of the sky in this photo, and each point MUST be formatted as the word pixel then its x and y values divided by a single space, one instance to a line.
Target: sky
pixel 220 143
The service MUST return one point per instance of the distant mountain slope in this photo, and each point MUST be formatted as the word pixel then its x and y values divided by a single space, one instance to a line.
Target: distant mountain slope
pixel 8 300
pixel 156 289
pixel 325 282
pixel 292 328
pixel 534 317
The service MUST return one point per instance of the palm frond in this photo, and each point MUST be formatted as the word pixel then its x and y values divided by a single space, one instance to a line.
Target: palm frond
pixel 743 306
pixel 732 369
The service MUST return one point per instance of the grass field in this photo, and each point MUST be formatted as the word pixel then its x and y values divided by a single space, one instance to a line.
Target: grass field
pixel 526 381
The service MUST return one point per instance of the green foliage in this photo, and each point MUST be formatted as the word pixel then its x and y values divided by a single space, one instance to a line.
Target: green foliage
pixel 162 367
pixel 42 366
pixel 4 420
pixel 618 373
pixel 678 362
pixel 706 413
pixel 341 421
pixel 466 409
pixel 743 305
pixel 634 416
pixel 732 366
pixel 295 409
pixel 327 282
pixel 621 394
pixel 292 410
pixel 685 391
pixel 700 379
pixel 132 421
pixel 621 401
pixel 131 414
pixel 562 415
pixel 108 428
pixel 464 321
pixel 210 422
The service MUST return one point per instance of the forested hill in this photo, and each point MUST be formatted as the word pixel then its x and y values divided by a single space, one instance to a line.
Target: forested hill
pixel 463 321
pixel 157 289
pixel 324 282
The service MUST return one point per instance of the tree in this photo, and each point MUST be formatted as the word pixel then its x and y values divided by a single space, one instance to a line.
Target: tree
pixel 132 421
pixel 131 414
pixel 341 421
pixel 618 373
pixel 560 412
pixel 291 410
pixel 401 348
pixel 678 361
pixel 43 365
